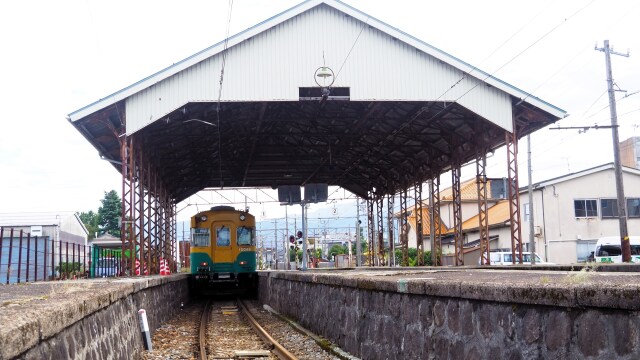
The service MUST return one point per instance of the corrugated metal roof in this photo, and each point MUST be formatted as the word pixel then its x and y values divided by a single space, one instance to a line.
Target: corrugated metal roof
pixel 395 130
pixel 468 191
pixel 497 214
pixel 372 22
pixel 426 220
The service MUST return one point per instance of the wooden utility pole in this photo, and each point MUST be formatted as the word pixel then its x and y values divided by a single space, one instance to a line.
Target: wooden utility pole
pixel 622 206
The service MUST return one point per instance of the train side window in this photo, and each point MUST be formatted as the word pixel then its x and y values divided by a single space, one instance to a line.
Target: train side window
pixel 200 237
pixel 223 236
pixel 245 236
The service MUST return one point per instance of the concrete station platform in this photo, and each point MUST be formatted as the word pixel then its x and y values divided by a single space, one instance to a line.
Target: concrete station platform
pixel 84 319
pixel 472 313
pixel 97 318
pixel 614 286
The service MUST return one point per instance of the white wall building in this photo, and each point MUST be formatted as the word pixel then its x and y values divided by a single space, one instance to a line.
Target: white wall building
pixel 570 213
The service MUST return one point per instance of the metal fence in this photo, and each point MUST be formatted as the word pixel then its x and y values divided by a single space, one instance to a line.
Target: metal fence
pixel 27 259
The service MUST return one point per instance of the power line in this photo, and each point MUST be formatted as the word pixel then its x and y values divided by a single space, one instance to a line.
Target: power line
pixel 224 60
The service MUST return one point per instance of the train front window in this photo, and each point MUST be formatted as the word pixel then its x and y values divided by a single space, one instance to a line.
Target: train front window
pixel 245 236
pixel 223 236
pixel 200 237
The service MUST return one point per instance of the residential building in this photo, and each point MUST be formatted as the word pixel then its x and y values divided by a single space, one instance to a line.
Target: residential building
pixel 570 213
pixel 40 241
pixel 630 152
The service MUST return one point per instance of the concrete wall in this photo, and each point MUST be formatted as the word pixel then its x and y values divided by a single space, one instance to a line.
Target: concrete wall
pixel 95 319
pixel 423 318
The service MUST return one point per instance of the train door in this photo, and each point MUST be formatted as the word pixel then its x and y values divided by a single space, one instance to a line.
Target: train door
pixel 222 249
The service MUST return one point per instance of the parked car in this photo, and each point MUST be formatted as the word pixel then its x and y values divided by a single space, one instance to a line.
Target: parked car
pixel 506 258
pixel 608 249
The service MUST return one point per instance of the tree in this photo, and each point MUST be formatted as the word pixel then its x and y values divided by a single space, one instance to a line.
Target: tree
pixel 336 250
pixel 109 213
pixel 91 221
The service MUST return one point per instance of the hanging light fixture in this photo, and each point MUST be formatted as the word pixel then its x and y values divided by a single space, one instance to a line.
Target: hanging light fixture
pixel 326 74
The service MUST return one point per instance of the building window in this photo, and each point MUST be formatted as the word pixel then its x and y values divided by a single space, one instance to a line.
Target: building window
pixel 609 208
pixel 527 212
pixel 585 208
pixel 633 207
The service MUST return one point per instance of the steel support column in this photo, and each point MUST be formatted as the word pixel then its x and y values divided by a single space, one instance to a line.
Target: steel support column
pixel 380 232
pixel 511 141
pixel 141 213
pixel 371 229
pixel 392 255
pixel 156 227
pixel 435 226
pixel 457 214
pixel 126 226
pixel 174 236
pixel 161 226
pixel 146 267
pixel 483 221
pixel 419 224
pixel 404 228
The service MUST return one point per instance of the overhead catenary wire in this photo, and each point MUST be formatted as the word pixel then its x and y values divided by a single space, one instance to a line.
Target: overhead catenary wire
pixel 364 24
pixel 224 60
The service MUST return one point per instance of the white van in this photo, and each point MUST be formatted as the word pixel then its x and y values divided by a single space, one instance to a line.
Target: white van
pixel 608 249
pixel 506 257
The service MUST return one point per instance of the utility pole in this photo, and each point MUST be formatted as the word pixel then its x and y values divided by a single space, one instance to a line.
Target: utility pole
pixel 622 213
pixel 532 238
pixel 275 225
pixel 287 258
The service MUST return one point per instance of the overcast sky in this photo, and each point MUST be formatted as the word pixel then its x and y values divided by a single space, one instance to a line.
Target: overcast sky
pixel 58 56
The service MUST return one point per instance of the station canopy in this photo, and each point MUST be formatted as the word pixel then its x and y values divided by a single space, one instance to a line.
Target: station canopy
pixel 398 111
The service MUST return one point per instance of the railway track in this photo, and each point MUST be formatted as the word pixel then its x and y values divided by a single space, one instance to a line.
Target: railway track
pixel 230 329
pixel 240 314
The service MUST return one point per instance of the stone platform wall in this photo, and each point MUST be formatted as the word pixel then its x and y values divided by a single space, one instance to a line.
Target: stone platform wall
pixel 396 318
pixel 92 320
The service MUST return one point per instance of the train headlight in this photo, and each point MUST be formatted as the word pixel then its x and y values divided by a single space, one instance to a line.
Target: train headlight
pixel 203 218
pixel 204 264
pixel 242 217
pixel 243 263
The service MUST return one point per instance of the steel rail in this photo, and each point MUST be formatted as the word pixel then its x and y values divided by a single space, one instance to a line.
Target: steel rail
pixel 203 331
pixel 274 346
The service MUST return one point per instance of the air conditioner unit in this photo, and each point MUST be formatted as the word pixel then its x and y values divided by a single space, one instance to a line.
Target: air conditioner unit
pixel 537 230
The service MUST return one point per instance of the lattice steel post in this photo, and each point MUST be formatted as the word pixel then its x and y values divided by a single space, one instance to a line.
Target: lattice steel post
pixel 147 258
pixel 457 214
pixel 392 255
pixel 419 224
pixel 371 229
pixel 128 207
pixel 161 227
pixel 435 225
pixel 483 221
pixel 174 237
pixel 511 141
pixel 380 232
pixel 141 213
pixel 167 224
pixel 404 228
pixel 133 218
